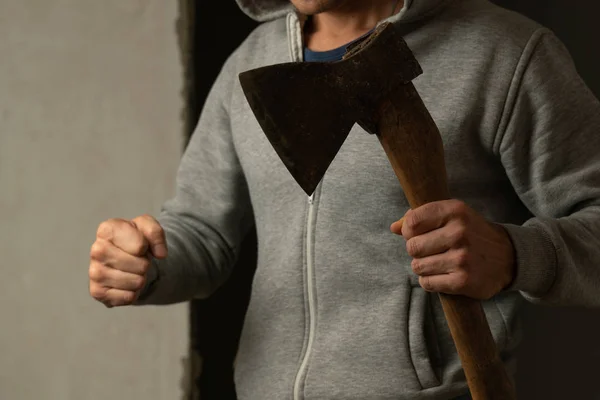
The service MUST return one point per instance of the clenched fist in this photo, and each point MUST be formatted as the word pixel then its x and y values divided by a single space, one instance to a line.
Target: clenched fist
pixel 120 258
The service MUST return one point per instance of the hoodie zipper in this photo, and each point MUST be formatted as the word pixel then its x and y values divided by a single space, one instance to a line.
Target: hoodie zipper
pixel 294 26
pixel 310 293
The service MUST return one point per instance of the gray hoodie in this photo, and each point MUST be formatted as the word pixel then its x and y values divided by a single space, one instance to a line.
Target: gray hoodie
pixel 336 312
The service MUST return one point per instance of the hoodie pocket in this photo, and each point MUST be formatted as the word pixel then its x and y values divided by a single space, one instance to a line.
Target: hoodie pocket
pixel 422 339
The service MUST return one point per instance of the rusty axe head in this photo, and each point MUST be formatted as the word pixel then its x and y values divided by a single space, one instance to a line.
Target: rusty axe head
pixel 307 110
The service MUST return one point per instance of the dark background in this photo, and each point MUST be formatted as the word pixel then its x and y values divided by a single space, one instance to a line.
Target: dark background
pixel 560 355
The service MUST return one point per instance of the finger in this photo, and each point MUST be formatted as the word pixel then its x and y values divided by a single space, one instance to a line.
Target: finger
pixel 110 255
pixel 153 233
pixel 123 234
pixel 396 227
pixel 430 243
pixel 452 283
pixel 425 218
pixel 453 235
pixel 112 297
pixel 117 298
pixel 112 278
pixel 433 265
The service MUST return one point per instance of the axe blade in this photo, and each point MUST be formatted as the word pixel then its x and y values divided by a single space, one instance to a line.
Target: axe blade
pixel 306 110
pixel 303 113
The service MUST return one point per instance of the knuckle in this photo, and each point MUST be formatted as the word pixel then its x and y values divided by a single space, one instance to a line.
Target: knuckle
pixel 461 258
pixel 155 232
pixel 413 220
pixel 417 266
pixel 457 206
pixel 413 247
pixel 459 234
pixel 97 292
pixel 436 207
pixel 138 245
pixel 148 224
pixel 460 209
pixel 147 217
pixel 106 229
pixel 96 273
pixel 98 250
pixel 138 282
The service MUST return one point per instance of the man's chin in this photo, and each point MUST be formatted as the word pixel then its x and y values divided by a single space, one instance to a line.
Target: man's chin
pixel 312 7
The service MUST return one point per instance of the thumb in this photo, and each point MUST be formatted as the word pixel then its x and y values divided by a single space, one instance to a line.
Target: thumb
pixel 396 227
pixel 153 233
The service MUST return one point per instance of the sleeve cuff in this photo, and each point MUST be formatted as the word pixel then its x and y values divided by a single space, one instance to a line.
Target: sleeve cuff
pixel 535 260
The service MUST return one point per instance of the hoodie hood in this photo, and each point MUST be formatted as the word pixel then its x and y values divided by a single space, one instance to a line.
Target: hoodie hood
pixel 266 10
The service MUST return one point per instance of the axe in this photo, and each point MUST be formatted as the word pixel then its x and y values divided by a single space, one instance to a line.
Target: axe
pixel 307 110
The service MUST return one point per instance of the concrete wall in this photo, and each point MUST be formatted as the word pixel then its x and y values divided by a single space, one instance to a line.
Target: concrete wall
pixel 90 128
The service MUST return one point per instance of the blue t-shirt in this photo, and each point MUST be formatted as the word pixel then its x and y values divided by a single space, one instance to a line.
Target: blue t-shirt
pixel 330 55
pixel 324 56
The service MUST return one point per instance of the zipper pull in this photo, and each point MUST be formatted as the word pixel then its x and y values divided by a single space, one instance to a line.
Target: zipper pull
pixel 311 198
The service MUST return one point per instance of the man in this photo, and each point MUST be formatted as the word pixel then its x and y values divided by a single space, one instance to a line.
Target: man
pixel 341 308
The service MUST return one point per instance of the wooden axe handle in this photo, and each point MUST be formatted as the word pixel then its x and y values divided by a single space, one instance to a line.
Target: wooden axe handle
pixel 414 147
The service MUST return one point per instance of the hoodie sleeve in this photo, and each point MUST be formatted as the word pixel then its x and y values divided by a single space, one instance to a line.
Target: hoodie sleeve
pixel 210 213
pixel 550 148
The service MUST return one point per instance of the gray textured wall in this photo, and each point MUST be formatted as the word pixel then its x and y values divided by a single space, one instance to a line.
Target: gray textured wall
pixel 90 128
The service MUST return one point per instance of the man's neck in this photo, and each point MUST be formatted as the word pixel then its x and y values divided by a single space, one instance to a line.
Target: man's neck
pixel 331 29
